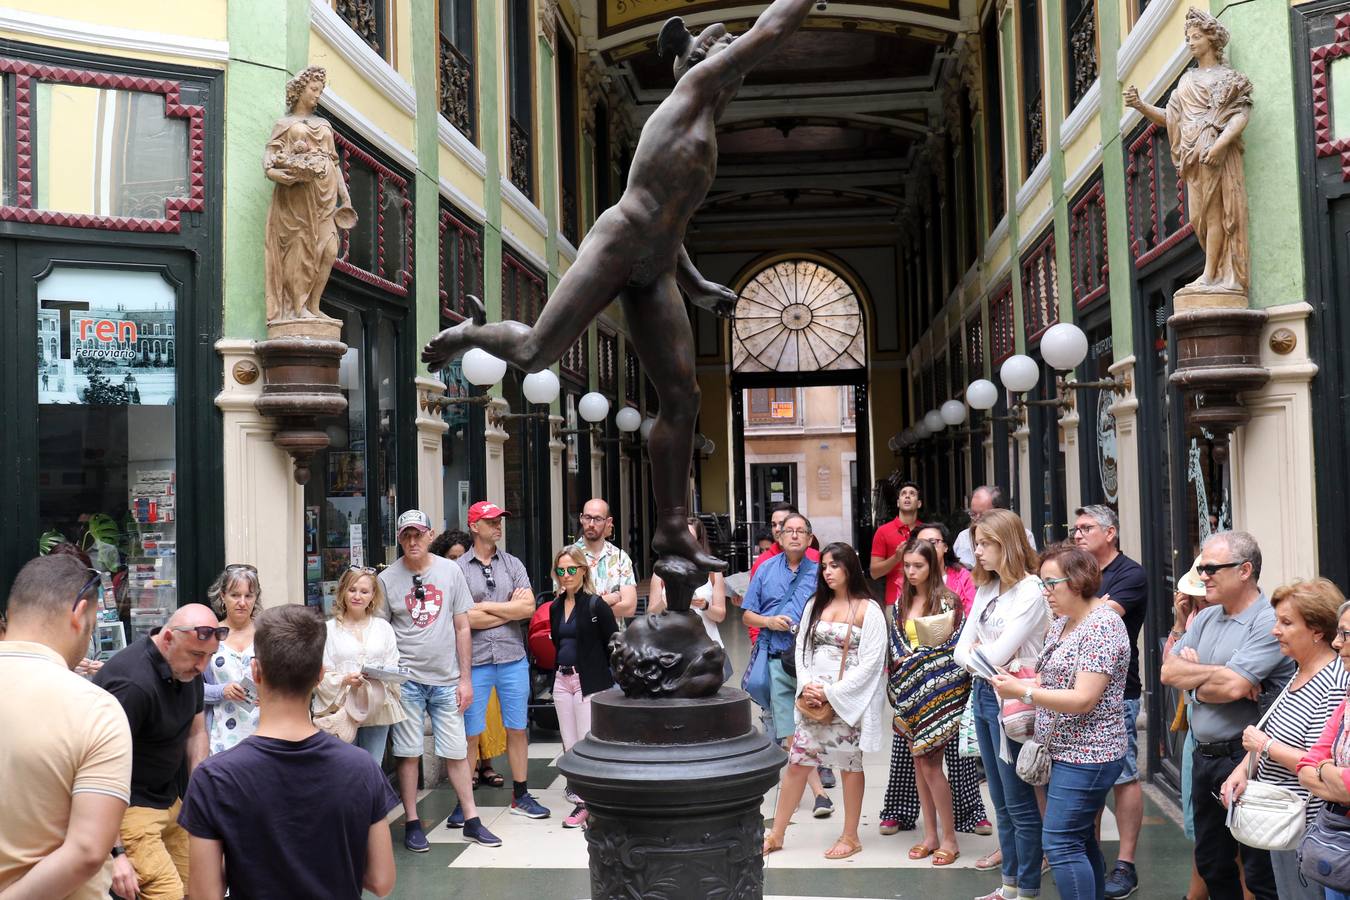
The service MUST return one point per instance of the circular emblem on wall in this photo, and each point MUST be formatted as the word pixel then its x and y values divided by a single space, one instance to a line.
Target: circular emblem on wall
pixel 1106 446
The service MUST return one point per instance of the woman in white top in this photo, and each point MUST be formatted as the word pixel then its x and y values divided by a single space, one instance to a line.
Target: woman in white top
pixel 710 600
pixel 1006 627
pixel 231 714
pixel 843 624
pixel 357 637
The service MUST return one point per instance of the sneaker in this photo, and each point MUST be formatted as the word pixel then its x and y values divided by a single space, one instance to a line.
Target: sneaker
pixel 1122 882
pixel 996 895
pixel 984 826
pixel 456 819
pixel 826 777
pixel 889 826
pixel 526 805
pixel 576 818
pixel 479 834
pixel 823 808
pixel 414 838
pixel 571 797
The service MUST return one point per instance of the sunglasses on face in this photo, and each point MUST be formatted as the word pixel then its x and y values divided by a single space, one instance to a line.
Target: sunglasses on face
pixel 204 632
pixel 560 571
pixel 1209 570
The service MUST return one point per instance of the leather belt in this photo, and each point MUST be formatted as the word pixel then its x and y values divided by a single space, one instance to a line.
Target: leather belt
pixel 567 670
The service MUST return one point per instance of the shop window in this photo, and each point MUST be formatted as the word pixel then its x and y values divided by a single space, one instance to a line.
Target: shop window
pixel 107 455
pixel 974 348
pixel 1033 107
pixel 1080 48
pixel 1003 338
pixel 1156 197
pixel 520 78
pixel 378 251
pixel 1040 288
pixel 1100 456
pixel 1087 245
pixel 632 376
pixel 993 116
pixel 523 290
pixel 461 264
pixel 607 361
pixel 456 66
pixel 369 19
pixel 576 361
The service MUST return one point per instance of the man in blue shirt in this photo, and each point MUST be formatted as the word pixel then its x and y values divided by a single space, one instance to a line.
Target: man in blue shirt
pixel 774 602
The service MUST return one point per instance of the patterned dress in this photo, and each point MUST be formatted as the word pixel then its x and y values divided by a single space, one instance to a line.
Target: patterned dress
pixel 926 687
pixel 833 743
pixel 232 722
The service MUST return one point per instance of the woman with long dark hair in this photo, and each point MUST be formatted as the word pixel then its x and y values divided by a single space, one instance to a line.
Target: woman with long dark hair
pixel 928 690
pixel 840 654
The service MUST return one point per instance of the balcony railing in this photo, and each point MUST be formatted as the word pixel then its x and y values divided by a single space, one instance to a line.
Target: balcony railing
pixel 569 215
pixel 521 158
pixel 366 18
pixel 1034 116
pixel 1082 53
pixel 456 89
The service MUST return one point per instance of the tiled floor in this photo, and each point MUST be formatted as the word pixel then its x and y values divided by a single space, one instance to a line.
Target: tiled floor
pixel 540 860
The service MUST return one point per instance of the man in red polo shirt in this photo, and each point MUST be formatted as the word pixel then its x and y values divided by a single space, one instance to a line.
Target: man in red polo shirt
pixel 891 537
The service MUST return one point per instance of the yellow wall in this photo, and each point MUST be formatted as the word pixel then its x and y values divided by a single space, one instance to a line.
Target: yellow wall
pixel 1038 207
pixel 355 90
pixel 1088 140
pixel 1160 52
pixel 461 176
pixel 714 420
pixel 523 231
pixel 198 18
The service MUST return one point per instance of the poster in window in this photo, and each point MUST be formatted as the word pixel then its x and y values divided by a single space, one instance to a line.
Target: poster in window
pixel 106 337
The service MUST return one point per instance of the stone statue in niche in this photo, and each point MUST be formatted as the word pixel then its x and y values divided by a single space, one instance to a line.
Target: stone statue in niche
pixel 1204 118
pixel 309 204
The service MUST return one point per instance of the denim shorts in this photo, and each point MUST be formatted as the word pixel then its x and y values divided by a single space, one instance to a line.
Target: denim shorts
pixel 1130 763
pixel 441 703
pixel 512 681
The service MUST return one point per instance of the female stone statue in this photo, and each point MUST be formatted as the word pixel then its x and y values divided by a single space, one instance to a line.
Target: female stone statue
pixel 309 204
pixel 1204 119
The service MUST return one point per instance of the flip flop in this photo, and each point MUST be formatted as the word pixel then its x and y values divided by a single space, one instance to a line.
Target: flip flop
pixel 988 861
pixel 943 858
pixel 919 851
pixel 852 845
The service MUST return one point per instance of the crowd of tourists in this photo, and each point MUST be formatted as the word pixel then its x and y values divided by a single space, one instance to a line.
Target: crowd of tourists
pixel 187 763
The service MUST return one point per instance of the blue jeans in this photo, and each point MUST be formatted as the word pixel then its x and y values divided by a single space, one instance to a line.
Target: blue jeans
pixel 1075 796
pixel 372 738
pixel 1015 809
pixel 1336 895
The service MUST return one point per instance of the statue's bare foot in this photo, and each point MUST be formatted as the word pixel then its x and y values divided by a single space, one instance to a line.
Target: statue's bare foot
pixel 447 345
pixel 676 541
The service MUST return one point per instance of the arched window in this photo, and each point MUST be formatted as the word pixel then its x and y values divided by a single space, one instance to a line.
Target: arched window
pixel 797 316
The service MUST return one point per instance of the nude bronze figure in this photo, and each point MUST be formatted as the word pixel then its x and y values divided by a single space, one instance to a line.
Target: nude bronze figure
pixel 635 251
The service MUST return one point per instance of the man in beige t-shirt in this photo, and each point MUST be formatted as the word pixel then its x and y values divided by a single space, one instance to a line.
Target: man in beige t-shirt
pixel 65 761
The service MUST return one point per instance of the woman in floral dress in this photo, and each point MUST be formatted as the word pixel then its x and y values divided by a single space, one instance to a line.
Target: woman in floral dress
pixel 231 714
pixel 842 623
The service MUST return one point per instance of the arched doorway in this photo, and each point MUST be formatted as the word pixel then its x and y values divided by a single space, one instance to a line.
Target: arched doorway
pixel 799 397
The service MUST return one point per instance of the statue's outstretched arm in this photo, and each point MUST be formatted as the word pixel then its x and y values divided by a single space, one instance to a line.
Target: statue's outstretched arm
pixel 773 27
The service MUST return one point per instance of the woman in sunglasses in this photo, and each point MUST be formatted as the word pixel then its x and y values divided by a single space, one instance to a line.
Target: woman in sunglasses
pixel 581 625
pixel 1079 696
pixel 358 636
pixel 231 710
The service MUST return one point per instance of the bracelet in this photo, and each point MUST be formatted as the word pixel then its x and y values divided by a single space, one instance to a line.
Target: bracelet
pixel 1319 768
pixel 1176 634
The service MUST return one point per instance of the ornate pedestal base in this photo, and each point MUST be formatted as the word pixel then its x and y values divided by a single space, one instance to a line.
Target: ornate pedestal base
pixel 674 788
pixel 1218 357
pixel 301 386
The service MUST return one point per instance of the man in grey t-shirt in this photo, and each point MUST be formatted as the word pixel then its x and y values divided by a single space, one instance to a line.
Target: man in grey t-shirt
pixel 427 601
pixel 1227 661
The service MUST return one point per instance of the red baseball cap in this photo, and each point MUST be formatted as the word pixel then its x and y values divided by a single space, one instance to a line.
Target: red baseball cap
pixel 485 509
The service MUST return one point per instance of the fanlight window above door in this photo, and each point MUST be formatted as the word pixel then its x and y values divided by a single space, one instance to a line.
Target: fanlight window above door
pixel 797 316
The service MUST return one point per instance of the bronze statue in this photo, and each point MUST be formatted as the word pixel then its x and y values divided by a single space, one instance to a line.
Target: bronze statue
pixel 635 251
pixel 666 655
pixel 309 204
pixel 1204 118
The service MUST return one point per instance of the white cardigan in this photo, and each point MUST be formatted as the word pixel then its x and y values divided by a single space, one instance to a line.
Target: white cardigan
pixel 860 697
pixel 1013 634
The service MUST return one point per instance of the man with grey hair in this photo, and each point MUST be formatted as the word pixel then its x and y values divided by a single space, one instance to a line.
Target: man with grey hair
pixel 1227 661
pixel 1124 587
pixel 982 499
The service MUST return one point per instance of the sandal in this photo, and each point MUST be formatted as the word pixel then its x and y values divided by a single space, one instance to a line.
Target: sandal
pixel 851 847
pixel 772 844
pixel 991 860
pixel 491 777
pixel 919 851
pixel 944 858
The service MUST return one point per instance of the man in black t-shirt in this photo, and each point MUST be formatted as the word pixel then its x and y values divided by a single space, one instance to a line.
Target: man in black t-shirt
pixel 1125 588
pixel 252 804
pixel 158 682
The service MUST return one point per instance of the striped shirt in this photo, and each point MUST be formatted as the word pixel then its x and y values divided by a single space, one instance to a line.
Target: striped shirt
pixel 1298 721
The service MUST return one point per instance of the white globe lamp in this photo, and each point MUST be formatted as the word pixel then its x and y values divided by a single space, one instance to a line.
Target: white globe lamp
pixel 933 419
pixel 953 412
pixel 540 387
pixel 628 419
pixel 1064 346
pixel 981 394
pixel 645 430
pixel 482 368
pixel 921 430
pixel 1019 373
pixel 593 407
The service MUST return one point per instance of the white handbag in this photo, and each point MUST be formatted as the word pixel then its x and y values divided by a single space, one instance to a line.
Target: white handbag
pixel 1267 816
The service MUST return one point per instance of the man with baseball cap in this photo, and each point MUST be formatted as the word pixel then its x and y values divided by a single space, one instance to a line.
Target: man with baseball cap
pixel 428 606
pixel 502 599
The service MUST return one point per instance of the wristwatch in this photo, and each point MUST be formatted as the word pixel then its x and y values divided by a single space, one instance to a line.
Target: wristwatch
pixel 118 851
pixel 1026 698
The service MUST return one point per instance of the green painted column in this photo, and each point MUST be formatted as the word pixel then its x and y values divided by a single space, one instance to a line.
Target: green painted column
pixel 426 190
pixel 1054 94
pixel 489 134
pixel 263 57
pixel 547 148
pixel 1121 286
pixel 1012 157
pixel 1261 48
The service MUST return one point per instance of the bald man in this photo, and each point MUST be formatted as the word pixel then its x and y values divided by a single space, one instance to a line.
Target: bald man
pixel 158 681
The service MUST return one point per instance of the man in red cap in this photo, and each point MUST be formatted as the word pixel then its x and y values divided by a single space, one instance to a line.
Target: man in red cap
pixel 502 599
